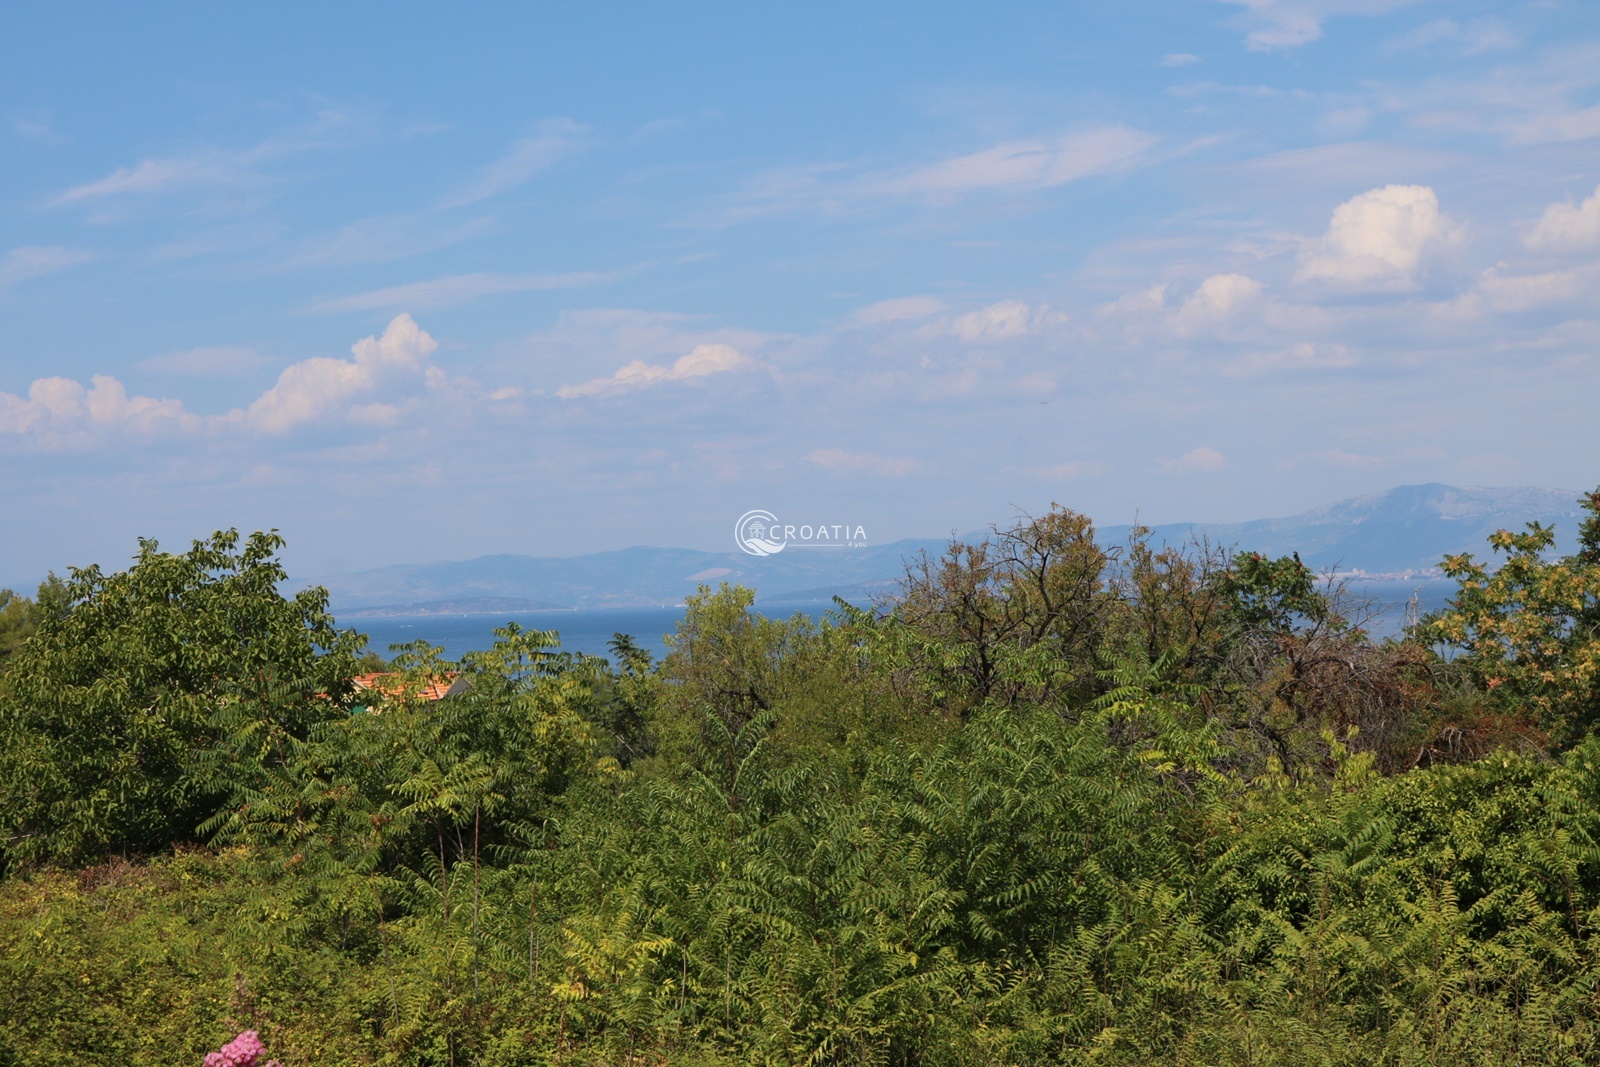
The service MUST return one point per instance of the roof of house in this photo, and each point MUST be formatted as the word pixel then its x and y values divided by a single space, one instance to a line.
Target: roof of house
pixel 392 683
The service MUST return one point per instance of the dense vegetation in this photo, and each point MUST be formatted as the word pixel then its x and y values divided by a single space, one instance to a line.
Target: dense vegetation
pixel 1059 805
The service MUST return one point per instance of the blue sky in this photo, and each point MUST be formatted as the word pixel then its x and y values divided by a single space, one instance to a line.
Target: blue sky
pixel 410 284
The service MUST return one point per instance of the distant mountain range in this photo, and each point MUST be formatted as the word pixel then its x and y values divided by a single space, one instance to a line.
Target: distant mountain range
pixel 1401 533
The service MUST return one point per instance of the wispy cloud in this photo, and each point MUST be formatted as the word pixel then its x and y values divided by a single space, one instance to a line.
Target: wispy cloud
pixel 702 362
pixel 1547 100
pixel 383 239
pixel 209 361
pixel 555 140
pixel 206 167
pixel 154 176
pixel 457 289
pixel 839 459
pixel 35 129
pixel 1283 24
pixel 1019 165
pixel 1009 167
pixel 32 261
pixel 1070 470
pixel 1469 38
pixel 1203 459
pixel 898 309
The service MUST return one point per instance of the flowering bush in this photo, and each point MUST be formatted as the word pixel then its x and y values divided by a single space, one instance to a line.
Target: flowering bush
pixel 242 1051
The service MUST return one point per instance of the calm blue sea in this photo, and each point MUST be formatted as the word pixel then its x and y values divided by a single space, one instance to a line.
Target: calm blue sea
pixel 588 631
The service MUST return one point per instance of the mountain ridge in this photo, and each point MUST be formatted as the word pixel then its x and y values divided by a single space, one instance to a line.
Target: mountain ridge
pixel 1401 532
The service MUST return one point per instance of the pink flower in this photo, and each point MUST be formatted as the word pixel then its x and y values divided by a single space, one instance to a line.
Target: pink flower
pixel 242 1051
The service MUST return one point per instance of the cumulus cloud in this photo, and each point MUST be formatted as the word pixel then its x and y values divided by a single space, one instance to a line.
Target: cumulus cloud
pixel 31 261
pixel 1379 238
pixel 838 459
pixel 1567 227
pixel 317 389
pixel 702 362
pixel 320 387
pixel 62 407
pixel 1196 459
pixel 1218 299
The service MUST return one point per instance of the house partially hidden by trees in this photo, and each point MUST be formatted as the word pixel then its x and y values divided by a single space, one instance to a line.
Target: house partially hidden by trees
pixel 394 685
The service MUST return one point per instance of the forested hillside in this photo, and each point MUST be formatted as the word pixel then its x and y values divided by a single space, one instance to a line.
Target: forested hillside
pixel 1054 804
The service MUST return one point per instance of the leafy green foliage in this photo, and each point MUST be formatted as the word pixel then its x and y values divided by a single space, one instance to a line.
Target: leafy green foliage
pixel 108 701
pixel 1056 806
pixel 1529 632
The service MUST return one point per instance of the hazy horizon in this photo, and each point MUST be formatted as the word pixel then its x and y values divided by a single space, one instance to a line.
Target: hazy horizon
pixel 547 282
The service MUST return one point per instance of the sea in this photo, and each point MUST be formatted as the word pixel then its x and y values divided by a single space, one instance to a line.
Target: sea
pixel 589 631
pixel 1392 601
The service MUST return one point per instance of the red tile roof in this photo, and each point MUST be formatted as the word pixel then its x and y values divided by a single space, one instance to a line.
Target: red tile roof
pixel 393 684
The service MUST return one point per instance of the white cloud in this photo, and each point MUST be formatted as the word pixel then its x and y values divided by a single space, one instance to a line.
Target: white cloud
pixel 1017 166
pixel 528 156
pixel 384 238
pixel 1566 226
pixel 1021 165
pixel 1075 468
pixel 1466 39
pixel 1003 321
pixel 1143 302
pixel 703 361
pixel 456 289
pixel 899 310
pixel 1547 100
pixel 62 407
pixel 1495 292
pixel 31 261
pixel 208 361
pixel 1346 460
pixel 1197 459
pixel 151 176
pixel 377 414
pixel 1218 299
pixel 318 388
pixel 837 459
pixel 1379 238
pixel 1308 355
pixel 1279 24
pixel 1178 59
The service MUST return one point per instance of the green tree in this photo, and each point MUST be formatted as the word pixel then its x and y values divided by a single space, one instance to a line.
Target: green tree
pixel 108 731
pixel 1528 632
pixel 20 617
